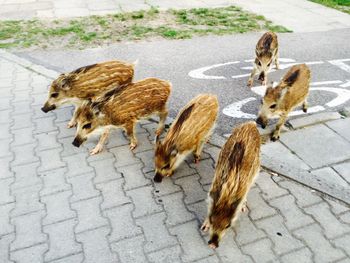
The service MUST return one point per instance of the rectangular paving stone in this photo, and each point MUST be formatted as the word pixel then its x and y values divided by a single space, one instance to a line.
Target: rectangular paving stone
pixel 122 223
pixel 341 127
pixel 22 107
pixel 47 141
pixel 62 240
pixel 5 104
pixel 105 155
pixel 6 134
pixel 77 164
pixel 314 119
pixel 175 209
pixel 303 195
pixel 331 225
pixel 184 170
pixel 23 136
pixel 143 143
pixel 189 183
pixel 6 227
pixel 344 170
pixel 27 200
pixel 337 207
pixel 28 231
pixel 333 148
pixel 89 214
pixel 191 241
pixel 156 233
pixel 44 125
pixel 283 241
pixel 69 149
pixel 328 174
pixel 294 216
pixel 281 154
pixel 30 254
pixel 144 201
pixel 57 207
pixel 260 251
pixel 205 170
pixel 70 259
pixel 50 160
pixel 96 246
pixel 343 242
pixel 130 250
pixel 133 176
pixel 22 121
pixel 54 181
pixel 319 245
pixel 124 156
pixel 113 194
pixel 200 209
pixel 64 114
pixel 243 227
pixel 83 187
pixel 5 116
pixel 116 138
pixel 105 170
pixel 26 175
pixel 169 254
pixel 24 154
pixel 166 187
pixel 23 95
pixel 269 188
pixel 63 131
pixel 258 208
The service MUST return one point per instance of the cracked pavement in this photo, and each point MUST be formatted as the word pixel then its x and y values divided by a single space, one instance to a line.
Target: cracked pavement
pixel 59 204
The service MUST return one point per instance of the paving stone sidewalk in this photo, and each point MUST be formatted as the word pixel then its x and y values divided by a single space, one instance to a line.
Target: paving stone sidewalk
pixel 316 152
pixel 58 204
pixel 297 15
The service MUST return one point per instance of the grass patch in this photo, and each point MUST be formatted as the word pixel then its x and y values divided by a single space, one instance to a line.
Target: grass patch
pixel 341 5
pixel 153 23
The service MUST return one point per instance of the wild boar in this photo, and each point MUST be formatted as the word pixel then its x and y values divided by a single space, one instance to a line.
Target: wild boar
pixel 237 167
pixel 288 94
pixel 266 52
pixel 123 107
pixel 87 83
pixel 188 133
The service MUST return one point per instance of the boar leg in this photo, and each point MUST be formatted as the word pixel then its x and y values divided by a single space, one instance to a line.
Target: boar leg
pixel 251 78
pixel 276 134
pixel 305 106
pixel 73 122
pixel 130 131
pixel 99 147
pixel 162 117
pixel 197 151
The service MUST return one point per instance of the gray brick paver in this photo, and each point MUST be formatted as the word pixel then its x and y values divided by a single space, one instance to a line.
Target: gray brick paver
pixel 30 254
pixel 113 194
pixel 83 187
pixel 130 249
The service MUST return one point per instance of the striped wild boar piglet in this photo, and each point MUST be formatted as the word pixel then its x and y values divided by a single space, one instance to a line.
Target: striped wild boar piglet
pixel 123 107
pixel 292 91
pixel 266 52
pixel 87 83
pixel 237 167
pixel 188 133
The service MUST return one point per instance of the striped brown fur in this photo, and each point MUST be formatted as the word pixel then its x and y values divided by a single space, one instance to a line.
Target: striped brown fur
pixel 188 133
pixel 88 82
pixel 288 94
pixel 237 166
pixel 124 107
pixel 266 52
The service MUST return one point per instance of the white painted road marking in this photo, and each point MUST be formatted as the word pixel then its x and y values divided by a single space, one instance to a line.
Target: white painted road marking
pixel 199 73
pixel 340 63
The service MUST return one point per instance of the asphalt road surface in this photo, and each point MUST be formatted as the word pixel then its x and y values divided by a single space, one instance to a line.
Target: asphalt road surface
pixel 219 65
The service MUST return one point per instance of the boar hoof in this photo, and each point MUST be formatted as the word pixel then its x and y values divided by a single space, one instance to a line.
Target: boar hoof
pixel 132 146
pixel 197 158
pixel 212 245
pixel 275 137
pixel 244 208
pixel 96 150
pixel 71 125
pixel 305 110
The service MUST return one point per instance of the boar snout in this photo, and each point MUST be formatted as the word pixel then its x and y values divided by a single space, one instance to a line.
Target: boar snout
pixel 158 178
pixel 262 76
pixel 77 141
pixel 261 122
pixel 214 241
pixel 46 108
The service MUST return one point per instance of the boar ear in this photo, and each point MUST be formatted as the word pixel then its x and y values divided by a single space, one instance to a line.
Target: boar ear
pixel 65 82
